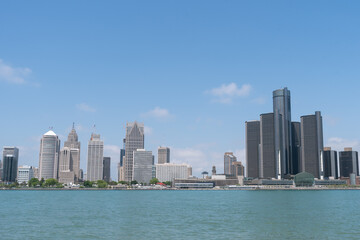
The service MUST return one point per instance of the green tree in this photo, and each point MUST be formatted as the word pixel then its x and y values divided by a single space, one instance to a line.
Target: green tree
pixel 34 182
pixel 134 182
pixel 168 183
pixel 154 181
pixel 101 184
pixel 51 182
pixel 42 181
pixel 123 182
pixel 88 184
pixel 113 183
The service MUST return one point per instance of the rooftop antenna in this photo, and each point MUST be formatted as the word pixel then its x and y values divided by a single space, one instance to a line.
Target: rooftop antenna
pixel 51 128
pixel 73 125
pixel 94 128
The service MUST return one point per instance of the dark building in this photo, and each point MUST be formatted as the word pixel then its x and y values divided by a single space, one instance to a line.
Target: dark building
pixel 252 132
pixel 268 165
pixel 296 147
pixel 349 162
pixel 106 169
pixel 122 156
pixel 330 163
pixel 282 128
pixel 10 164
pixel 311 143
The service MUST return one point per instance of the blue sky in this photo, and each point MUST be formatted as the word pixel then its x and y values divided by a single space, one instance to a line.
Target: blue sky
pixel 192 71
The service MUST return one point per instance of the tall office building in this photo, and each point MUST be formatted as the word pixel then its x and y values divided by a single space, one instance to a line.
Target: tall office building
pixel 68 165
pixel 10 164
pixel 330 163
pixel 282 128
pixel 252 141
pixel 311 144
pixel 229 168
pixel 134 140
pixel 296 147
pixel 143 166
pixel 267 165
pixel 349 162
pixel 74 144
pixel 49 156
pixel 25 173
pixel 106 169
pixel 163 155
pixel 239 169
pixel 95 158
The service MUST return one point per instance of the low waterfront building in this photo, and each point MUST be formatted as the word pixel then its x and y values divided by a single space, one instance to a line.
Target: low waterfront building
pixel 216 182
pixel 25 173
pixel 169 171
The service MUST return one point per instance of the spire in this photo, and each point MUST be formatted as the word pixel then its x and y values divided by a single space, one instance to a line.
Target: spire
pixel 73 125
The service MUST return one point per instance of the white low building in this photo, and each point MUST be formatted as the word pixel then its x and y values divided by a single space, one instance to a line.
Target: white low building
pixel 25 173
pixel 170 171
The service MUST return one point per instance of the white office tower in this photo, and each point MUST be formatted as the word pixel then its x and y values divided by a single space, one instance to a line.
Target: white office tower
pixel 134 140
pixel 95 158
pixel 170 171
pixel 49 156
pixel 25 173
pixel 143 163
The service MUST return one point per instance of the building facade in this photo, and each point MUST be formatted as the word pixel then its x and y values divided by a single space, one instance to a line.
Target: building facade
pixel 311 144
pixel 229 168
pixel 267 165
pixel 134 140
pixel 282 128
pixel 169 171
pixel 74 145
pixel 25 173
pixel 106 169
pixel 143 164
pixel 252 142
pixel 49 156
pixel 95 158
pixel 296 147
pixel 163 155
pixel 10 164
pixel 330 161
pixel 349 162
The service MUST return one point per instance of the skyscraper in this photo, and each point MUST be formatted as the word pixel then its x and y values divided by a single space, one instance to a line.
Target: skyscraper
pixel 252 141
pixel 95 158
pixel 311 143
pixel 73 143
pixel 267 165
pixel 10 164
pixel 143 163
pixel 349 162
pixel 106 169
pixel 69 160
pixel 296 147
pixel 229 168
pixel 134 140
pixel 330 163
pixel 282 128
pixel 163 155
pixel 49 156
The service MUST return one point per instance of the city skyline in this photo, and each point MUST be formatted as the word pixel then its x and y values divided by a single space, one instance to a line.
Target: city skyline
pixel 193 73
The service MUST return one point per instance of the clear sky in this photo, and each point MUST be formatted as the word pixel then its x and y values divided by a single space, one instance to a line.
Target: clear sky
pixel 192 71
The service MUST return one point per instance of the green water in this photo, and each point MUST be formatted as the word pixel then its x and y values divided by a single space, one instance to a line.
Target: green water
pixel 180 214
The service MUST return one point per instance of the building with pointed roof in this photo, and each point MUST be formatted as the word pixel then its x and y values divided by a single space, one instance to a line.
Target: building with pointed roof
pixel 134 140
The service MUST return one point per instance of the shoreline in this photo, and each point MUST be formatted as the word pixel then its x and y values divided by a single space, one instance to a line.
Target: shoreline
pixel 175 189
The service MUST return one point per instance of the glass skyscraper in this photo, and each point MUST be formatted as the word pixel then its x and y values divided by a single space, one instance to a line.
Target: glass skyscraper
pixel 282 128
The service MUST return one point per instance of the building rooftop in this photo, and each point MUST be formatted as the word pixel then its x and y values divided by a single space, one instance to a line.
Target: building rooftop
pixel 50 133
